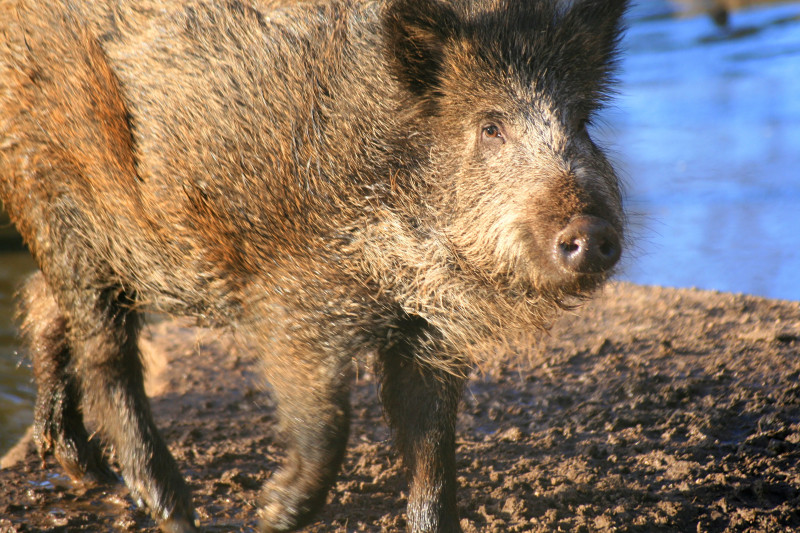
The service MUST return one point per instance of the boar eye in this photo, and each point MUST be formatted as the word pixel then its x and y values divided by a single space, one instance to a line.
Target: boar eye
pixel 492 132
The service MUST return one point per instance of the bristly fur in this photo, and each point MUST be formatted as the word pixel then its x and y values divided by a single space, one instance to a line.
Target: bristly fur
pixel 327 178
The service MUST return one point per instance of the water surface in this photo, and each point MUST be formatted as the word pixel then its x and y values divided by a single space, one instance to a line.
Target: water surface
pixel 17 390
pixel 707 131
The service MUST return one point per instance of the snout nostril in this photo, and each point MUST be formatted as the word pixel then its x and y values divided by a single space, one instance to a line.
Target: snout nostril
pixel 587 245
pixel 608 248
pixel 569 247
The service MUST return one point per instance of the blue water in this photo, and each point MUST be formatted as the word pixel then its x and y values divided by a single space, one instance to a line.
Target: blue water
pixel 706 132
pixel 17 390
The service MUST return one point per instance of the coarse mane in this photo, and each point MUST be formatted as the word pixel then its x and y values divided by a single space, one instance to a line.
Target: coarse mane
pixel 469 310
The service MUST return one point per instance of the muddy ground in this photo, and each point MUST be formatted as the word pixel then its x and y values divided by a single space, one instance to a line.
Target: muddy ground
pixel 647 410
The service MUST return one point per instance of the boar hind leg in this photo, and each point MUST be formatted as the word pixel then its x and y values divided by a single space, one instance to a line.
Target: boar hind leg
pixel 86 360
pixel 420 403
pixel 103 335
pixel 92 363
pixel 314 407
pixel 58 421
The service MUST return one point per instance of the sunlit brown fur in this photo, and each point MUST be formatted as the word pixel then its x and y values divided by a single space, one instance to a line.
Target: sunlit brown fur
pixel 316 176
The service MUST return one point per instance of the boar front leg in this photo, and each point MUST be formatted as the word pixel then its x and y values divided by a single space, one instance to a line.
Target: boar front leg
pixel 420 403
pixel 312 390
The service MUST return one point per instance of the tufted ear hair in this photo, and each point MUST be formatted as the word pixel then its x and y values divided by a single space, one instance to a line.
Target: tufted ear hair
pixel 416 33
pixel 597 28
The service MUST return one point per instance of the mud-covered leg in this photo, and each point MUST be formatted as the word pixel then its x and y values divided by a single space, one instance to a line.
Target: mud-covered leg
pixel 420 403
pixel 103 335
pixel 58 426
pixel 313 395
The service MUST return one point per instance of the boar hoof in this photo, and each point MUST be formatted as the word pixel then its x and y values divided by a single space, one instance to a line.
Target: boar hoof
pixel 178 525
pixel 90 470
pixel 80 458
pixel 286 509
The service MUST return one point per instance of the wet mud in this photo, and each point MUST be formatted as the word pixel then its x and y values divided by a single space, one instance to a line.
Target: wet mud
pixel 647 409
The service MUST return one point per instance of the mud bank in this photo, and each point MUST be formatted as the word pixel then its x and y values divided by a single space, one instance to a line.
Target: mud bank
pixel 647 409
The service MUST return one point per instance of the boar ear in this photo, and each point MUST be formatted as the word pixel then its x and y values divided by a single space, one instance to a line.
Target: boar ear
pixel 596 27
pixel 415 34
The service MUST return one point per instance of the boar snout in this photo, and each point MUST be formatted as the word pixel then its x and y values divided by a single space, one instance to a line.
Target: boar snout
pixel 587 245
